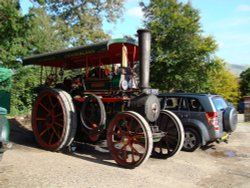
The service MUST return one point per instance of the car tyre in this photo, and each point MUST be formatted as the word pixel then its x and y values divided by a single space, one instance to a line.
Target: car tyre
pixel 192 140
pixel 230 119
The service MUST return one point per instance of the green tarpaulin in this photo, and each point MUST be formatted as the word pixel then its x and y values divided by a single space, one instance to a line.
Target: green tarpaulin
pixel 5 74
pixel 5 78
pixel 5 86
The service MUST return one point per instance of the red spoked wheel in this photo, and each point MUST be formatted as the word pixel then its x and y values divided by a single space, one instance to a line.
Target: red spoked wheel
pixel 54 119
pixel 129 139
pixel 173 135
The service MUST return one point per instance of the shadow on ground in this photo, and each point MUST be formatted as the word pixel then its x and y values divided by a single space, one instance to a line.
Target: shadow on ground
pixel 98 153
pixel 21 135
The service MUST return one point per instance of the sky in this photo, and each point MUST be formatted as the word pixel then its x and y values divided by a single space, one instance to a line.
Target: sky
pixel 228 21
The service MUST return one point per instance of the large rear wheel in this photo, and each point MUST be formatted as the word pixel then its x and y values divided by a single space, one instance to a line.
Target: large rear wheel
pixel 173 135
pixel 129 139
pixel 54 119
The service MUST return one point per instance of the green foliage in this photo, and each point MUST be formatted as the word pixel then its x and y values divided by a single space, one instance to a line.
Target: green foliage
pixel 22 94
pixel 245 82
pixel 80 21
pixel 223 82
pixel 44 35
pixel 181 54
pixel 13 28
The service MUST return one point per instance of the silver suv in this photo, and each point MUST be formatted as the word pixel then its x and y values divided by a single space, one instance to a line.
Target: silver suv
pixel 205 117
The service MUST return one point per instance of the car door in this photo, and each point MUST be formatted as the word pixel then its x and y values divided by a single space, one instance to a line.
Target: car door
pixel 196 111
pixel 177 105
pixel 183 110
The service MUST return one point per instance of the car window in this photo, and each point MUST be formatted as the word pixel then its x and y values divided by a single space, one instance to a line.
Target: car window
pixel 195 105
pixel 219 103
pixel 171 103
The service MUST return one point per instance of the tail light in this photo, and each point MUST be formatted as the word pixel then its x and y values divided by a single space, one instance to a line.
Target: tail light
pixel 212 118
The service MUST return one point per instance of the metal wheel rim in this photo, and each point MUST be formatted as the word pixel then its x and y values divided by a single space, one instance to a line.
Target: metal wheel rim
pixel 190 140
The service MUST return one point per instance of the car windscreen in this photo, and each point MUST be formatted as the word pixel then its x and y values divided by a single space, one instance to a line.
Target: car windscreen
pixel 219 103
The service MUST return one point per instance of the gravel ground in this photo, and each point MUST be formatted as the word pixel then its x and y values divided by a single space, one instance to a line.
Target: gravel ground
pixel 219 165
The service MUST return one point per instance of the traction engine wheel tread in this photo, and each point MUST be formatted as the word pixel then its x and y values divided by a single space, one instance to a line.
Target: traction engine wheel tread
pixel 54 119
pixel 73 117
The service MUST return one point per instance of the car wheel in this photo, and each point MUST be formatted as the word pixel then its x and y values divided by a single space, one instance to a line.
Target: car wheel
pixel 192 140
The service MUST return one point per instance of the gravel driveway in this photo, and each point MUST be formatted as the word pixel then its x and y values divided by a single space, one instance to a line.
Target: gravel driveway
pixel 219 165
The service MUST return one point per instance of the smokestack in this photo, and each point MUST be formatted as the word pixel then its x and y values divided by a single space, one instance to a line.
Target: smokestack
pixel 144 57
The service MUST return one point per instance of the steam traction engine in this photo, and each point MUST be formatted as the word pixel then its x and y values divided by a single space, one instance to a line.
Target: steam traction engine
pixel 104 101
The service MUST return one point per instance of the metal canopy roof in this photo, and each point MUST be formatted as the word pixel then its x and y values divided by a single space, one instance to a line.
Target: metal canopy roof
pixel 103 53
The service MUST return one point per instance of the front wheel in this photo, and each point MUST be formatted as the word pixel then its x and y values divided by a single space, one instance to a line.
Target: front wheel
pixel 192 140
pixel 129 139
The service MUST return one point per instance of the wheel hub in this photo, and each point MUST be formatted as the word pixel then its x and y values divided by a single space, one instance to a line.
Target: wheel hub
pixel 189 141
pixel 125 140
pixel 49 120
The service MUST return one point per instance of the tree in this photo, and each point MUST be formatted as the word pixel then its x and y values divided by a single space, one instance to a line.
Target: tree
pixel 81 20
pixel 45 34
pixel 13 26
pixel 181 54
pixel 22 92
pixel 223 82
pixel 245 82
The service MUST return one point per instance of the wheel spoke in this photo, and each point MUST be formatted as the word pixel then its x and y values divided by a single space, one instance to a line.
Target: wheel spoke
pixel 129 124
pixel 44 131
pixel 137 152
pixel 167 145
pixel 40 119
pixel 50 101
pixel 44 107
pixel 56 133
pixel 160 147
pixel 57 115
pixel 55 106
pixel 124 152
pixel 139 136
pixel 51 137
pixel 139 143
pixel 58 124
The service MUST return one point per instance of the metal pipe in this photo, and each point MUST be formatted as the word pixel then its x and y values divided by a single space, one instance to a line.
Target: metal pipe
pixel 144 57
